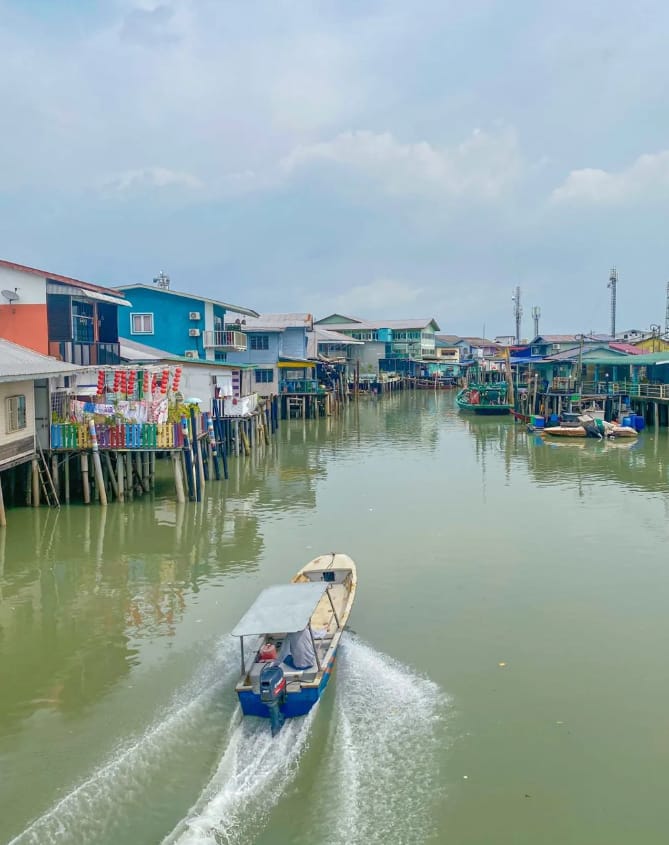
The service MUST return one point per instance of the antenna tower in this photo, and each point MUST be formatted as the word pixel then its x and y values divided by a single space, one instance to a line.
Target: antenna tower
pixel 536 313
pixel 613 282
pixel 666 315
pixel 162 280
pixel 517 312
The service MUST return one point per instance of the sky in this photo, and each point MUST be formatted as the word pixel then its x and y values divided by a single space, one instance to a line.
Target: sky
pixel 378 158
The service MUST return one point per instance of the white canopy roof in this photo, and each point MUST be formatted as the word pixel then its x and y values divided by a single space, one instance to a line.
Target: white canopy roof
pixel 282 609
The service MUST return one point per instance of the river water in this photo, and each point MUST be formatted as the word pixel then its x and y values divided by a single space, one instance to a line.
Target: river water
pixel 504 679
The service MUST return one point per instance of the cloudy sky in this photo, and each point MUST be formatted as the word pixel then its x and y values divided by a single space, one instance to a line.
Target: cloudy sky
pixel 376 157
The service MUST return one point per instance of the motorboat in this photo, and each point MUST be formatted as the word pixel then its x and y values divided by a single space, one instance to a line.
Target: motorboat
pixel 289 639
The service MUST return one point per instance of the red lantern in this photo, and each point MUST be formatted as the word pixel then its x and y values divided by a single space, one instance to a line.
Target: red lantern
pixel 117 381
pixel 145 382
pixel 154 383
pixel 176 380
pixel 164 381
pixel 132 375
pixel 124 381
pixel 101 382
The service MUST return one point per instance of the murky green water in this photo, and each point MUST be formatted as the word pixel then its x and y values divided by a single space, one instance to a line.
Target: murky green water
pixel 477 545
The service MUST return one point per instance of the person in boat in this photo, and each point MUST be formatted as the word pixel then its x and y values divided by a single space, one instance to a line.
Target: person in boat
pixel 297 650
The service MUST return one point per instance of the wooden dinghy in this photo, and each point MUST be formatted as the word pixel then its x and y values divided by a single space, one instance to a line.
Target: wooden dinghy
pixel 579 431
pixel 296 629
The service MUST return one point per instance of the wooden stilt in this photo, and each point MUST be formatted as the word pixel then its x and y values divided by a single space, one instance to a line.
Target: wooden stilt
pixel 152 470
pixel 99 480
pixel 110 473
pixel 129 483
pixel 66 474
pixel 120 481
pixel 3 518
pixel 178 477
pixel 35 483
pixel 55 474
pixel 84 479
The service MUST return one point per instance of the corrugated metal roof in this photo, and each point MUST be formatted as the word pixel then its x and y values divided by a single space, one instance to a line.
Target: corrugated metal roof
pixel 556 338
pixel 134 352
pixel 238 309
pixel 17 363
pixel 23 268
pixel 396 325
pixel 328 336
pixel 278 322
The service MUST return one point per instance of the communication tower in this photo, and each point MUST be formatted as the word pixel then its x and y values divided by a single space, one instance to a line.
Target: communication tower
pixel 536 313
pixel 162 280
pixel 517 312
pixel 666 314
pixel 613 282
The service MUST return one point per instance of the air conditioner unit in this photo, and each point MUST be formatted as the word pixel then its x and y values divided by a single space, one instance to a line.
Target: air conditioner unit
pixel 191 353
pixel 193 333
pixel 194 315
pixel 557 346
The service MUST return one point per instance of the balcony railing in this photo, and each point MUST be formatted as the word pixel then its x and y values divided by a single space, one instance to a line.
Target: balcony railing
pixel 86 354
pixel 232 341
pixel 299 385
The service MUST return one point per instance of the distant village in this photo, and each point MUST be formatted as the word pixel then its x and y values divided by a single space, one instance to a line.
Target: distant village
pixel 120 374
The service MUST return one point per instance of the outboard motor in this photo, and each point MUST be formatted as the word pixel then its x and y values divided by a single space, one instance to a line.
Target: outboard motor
pixel 273 694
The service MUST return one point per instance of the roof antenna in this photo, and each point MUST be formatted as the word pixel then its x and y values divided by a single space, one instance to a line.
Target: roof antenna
pixel 162 280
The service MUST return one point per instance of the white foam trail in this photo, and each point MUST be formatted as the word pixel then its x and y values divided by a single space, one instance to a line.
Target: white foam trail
pixel 384 750
pixel 96 805
pixel 237 801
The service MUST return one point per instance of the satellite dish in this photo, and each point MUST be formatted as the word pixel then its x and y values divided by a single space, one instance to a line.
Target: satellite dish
pixel 10 295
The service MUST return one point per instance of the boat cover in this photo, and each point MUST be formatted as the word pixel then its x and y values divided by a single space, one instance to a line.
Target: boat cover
pixel 284 608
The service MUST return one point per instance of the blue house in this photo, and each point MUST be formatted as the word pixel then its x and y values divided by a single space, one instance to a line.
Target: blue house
pixel 183 323
pixel 276 345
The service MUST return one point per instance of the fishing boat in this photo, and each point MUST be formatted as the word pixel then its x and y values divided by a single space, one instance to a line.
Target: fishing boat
pixel 484 398
pixel 295 630
pixel 594 428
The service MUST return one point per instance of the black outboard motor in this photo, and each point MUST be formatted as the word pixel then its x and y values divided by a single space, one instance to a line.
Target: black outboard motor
pixel 273 694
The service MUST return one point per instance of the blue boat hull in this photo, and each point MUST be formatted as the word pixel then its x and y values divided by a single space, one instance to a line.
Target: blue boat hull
pixel 296 704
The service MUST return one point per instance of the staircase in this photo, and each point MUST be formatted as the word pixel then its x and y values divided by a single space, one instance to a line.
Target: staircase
pixel 46 481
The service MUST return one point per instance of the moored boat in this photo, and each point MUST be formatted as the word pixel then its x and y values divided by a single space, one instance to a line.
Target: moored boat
pixel 296 630
pixel 484 398
pixel 614 431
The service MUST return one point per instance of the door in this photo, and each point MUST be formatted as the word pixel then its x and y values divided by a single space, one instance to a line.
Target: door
pixel 42 413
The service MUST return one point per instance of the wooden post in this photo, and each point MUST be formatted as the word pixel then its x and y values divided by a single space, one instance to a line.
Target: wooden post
pixel 67 477
pixel 3 518
pixel 178 477
pixel 55 475
pixel 84 479
pixel 120 481
pixel 112 476
pixel 656 414
pixel 152 470
pixel 97 465
pixel 35 483
pixel 129 482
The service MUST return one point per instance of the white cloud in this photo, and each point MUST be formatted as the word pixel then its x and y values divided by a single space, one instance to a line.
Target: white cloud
pixel 648 174
pixel 149 178
pixel 378 298
pixel 482 167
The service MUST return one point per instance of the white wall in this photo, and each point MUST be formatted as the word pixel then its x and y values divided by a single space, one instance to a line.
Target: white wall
pixel 31 289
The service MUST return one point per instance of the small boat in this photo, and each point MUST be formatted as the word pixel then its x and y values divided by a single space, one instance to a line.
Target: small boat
pixel 484 398
pixel 296 629
pixel 614 431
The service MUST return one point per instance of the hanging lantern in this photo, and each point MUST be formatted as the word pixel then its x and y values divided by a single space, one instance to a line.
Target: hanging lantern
pixel 146 381
pixel 101 382
pixel 124 381
pixel 132 375
pixel 164 382
pixel 117 381
pixel 176 380
pixel 154 383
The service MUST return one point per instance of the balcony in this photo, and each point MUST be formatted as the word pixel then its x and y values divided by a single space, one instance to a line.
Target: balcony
pixel 225 340
pixel 299 385
pixel 86 354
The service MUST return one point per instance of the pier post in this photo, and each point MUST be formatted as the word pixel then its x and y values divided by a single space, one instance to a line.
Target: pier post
pixel 35 484
pixel 54 472
pixel 129 483
pixel 656 414
pixel 120 481
pixel 97 465
pixel 84 479
pixel 178 477
pixel 66 474
pixel 112 476
pixel 3 518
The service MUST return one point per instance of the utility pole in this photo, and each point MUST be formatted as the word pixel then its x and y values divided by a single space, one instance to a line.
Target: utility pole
pixel 536 313
pixel 613 282
pixel 517 312
pixel 666 315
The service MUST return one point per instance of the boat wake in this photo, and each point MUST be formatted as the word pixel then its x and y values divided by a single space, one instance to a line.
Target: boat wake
pixel 380 764
pixel 384 750
pixel 251 778
pixel 100 804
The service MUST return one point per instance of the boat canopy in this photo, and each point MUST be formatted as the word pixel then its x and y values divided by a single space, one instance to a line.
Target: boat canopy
pixel 285 608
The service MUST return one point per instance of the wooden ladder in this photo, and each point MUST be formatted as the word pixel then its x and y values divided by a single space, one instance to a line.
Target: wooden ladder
pixel 46 481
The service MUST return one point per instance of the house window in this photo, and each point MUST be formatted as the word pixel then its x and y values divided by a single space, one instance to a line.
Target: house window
pixel 15 412
pixel 264 376
pixel 259 341
pixel 141 323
